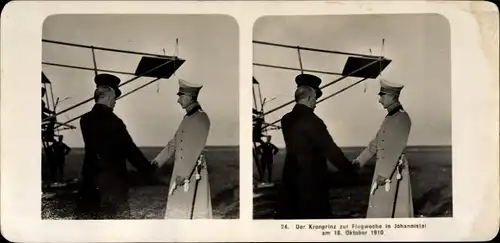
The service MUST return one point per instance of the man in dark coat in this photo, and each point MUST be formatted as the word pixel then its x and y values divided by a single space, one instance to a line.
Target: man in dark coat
pixel 59 150
pixel 104 186
pixel 305 192
pixel 47 125
pixel 267 152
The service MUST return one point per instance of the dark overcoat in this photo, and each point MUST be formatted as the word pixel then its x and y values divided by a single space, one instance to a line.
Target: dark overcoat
pixel 103 191
pixel 305 191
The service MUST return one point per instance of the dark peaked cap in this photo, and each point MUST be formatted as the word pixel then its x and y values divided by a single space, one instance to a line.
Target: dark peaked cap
pixel 311 81
pixel 108 80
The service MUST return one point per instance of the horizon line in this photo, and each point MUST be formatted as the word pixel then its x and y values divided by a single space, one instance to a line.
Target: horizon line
pixel 282 147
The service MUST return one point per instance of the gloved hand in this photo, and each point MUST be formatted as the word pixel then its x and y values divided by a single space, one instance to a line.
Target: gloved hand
pixel 381 180
pixel 179 180
pixel 186 185
pixel 172 188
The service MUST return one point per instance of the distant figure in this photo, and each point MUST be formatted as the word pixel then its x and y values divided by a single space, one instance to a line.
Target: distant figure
pixel 103 192
pixel 305 192
pixel 59 150
pixel 49 124
pixel 257 131
pixel 391 190
pixel 193 199
pixel 258 123
pixel 267 151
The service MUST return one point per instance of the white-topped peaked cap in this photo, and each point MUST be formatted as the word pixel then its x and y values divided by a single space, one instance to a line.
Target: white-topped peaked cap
pixel 388 87
pixel 189 88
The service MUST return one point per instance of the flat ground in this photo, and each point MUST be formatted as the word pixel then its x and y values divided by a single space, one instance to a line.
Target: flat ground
pixel 149 201
pixel 431 180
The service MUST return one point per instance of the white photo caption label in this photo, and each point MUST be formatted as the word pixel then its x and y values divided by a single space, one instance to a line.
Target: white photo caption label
pixel 350 229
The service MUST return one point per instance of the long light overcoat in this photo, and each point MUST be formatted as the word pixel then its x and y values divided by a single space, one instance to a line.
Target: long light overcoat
pixel 389 145
pixel 187 145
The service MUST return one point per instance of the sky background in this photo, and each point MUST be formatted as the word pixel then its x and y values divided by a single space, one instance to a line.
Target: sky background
pixel 209 44
pixel 418 45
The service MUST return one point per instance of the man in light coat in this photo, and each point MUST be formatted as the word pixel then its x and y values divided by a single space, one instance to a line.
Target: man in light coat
pixel 390 195
pixel 189 194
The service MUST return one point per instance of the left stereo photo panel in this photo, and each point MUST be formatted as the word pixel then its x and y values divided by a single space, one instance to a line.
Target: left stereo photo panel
pixel 135 122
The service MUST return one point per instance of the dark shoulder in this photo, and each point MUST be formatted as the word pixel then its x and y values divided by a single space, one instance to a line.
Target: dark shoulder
pixel 314 120
pixel 117 120
pixel 286 117
pixel 85 117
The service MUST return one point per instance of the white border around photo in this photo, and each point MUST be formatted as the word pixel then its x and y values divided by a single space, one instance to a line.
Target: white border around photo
pixel 475 133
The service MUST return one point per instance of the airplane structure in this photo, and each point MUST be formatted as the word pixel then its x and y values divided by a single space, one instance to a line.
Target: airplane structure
pixel 150 66
pixel 357 66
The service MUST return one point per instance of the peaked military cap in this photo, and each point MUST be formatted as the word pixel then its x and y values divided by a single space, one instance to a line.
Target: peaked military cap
pixel 387 87
pixel 188 88
pixel 108 80
pixel 311 81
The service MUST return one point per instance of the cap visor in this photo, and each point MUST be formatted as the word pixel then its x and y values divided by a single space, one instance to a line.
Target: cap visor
pixel 319 93
pixel 118 93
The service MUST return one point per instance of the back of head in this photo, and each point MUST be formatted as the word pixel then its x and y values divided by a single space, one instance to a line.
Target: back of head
pixel 103 94
pixel 305 94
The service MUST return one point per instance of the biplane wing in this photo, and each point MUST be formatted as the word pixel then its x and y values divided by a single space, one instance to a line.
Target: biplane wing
pixel 357 66
pixel 150 65
pixel 371 71
pixel 165 71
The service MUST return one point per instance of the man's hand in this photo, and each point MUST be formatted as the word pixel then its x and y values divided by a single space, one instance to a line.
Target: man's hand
pixel 356 164
pixel 381 180
pixel 179 180
pixel 155 164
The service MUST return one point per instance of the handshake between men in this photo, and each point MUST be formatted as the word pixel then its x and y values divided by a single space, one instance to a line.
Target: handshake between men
pixel 309 144
pixel 379 180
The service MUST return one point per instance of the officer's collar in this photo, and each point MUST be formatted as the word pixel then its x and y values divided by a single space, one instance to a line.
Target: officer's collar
pixel 193 110
pixel 394 109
